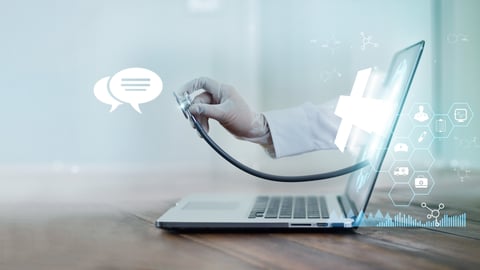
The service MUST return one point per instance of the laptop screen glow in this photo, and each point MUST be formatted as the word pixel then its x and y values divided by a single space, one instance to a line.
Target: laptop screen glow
pixel 388 100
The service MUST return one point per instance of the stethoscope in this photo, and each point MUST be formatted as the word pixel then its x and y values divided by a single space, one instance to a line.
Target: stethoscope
pixel 184 104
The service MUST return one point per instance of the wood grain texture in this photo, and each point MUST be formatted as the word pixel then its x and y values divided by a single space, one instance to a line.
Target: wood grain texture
pixel 119 233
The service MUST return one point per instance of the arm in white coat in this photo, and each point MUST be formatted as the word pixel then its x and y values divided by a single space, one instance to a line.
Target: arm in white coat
pixel 302 129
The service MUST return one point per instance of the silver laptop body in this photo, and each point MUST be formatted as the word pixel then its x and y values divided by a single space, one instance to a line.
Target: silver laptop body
pixel 309 211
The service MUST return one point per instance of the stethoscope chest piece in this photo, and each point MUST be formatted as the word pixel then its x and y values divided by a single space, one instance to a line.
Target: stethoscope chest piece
pixel 184 103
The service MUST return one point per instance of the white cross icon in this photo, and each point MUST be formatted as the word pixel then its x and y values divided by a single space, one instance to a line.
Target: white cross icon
pixel 365 113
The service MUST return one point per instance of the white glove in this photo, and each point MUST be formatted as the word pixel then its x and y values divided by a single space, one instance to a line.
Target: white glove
pixel 223 103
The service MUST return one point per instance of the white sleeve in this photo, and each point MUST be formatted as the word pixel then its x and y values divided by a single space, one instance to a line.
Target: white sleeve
pixel 302 129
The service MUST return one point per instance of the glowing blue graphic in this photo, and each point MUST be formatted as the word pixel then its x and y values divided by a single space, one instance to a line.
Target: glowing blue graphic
pixel 428 126
pixel 403 220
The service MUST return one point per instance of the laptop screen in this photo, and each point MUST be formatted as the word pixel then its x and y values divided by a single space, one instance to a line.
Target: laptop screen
pixel 392 93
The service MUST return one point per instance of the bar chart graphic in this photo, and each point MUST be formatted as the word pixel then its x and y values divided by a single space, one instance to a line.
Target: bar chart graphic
pixel 405 220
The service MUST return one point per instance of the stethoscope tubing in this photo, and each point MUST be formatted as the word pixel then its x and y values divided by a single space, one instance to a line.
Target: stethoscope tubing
pixel 185 104
pixel 273 177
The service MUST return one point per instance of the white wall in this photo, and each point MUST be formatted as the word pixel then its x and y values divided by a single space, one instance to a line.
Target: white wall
pixel 53 52
pixel 456 77
pixel 307 45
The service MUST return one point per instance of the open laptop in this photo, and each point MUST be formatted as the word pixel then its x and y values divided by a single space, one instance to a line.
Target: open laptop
pixel 313 211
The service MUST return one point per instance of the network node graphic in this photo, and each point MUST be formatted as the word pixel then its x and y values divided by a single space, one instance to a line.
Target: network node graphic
pixel 434 213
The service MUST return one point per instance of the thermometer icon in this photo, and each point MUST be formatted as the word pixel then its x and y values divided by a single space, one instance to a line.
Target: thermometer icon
pixel 422 137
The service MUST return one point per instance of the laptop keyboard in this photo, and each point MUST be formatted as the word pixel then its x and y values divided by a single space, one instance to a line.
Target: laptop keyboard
pixel 289 207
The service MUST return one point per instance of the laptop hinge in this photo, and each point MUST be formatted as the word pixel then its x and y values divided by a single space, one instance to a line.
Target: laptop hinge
pixel 349 209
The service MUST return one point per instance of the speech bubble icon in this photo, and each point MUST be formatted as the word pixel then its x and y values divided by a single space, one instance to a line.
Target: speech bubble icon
pixel 135 86
pixel 100 90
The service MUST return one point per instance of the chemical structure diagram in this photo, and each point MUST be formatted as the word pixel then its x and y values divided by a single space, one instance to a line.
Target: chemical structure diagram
pixel 467 143
pixel 455 38
pixel 331 44
pixel 461 169
pixel 367 40
pixel 327 75
pixel 434 213
pixel 462 173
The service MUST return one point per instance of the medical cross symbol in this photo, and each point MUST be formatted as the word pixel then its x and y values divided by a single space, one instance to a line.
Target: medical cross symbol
pixel 365 113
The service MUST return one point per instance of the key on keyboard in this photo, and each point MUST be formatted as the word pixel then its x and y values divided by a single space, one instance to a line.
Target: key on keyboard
pixel 288 207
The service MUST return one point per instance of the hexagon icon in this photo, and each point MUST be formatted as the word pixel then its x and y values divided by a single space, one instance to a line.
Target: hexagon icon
pixel 401 148
pixel 422 160
pixel 460 114
pixel 422 183
pixel 400 171
pixel 441 126
pixel 421 137
pixel 421 114
pixel 401 194
pixel 383 180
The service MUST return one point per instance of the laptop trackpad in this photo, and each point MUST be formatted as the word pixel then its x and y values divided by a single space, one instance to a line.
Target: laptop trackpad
pixel 211 205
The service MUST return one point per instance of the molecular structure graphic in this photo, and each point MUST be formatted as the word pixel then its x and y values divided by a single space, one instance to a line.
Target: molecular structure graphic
pixel 434 213
pixel 327 75
pixel 462 173
pixel 331 44
pixel 461 169
pixel 457 38
pixel 467 143
pixel 367 40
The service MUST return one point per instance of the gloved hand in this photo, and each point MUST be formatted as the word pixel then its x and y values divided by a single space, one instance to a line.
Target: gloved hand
pixel 223 103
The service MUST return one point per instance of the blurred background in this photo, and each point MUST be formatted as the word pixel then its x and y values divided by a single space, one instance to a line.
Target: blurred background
pixel 278 54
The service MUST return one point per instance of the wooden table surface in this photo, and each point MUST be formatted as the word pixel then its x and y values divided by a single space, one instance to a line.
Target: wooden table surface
pixel 81 231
